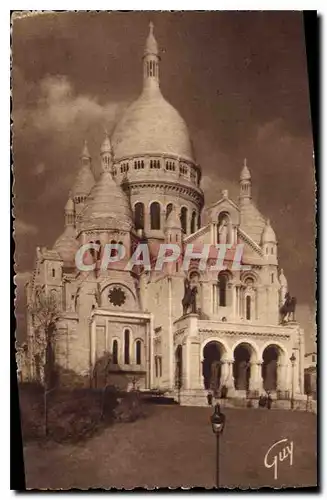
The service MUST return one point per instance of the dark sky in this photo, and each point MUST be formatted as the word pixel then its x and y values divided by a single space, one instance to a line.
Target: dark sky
pixel 238 79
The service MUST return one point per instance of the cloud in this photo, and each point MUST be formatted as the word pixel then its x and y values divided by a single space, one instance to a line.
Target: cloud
pixel 59 109
pixel 24 228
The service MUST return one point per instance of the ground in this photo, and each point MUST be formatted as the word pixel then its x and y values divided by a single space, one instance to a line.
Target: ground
pixel 174 446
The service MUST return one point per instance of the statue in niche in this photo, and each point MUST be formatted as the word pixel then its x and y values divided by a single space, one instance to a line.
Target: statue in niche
pixel 223 232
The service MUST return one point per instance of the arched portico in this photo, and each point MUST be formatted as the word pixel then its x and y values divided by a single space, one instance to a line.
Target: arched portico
pixel 213 354
pixel 273 367
pixel 245 361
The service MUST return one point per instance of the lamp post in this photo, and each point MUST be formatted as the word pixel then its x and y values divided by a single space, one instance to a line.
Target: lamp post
pixel 292 360
pixel 218 424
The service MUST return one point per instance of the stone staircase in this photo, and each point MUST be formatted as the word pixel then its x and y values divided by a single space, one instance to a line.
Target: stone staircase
pixel 198 397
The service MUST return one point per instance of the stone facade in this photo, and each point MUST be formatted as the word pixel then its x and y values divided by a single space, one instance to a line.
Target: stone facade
pixel 131 322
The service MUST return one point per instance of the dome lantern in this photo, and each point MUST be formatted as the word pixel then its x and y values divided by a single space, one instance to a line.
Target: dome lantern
pixel 151 61
pixel 245 183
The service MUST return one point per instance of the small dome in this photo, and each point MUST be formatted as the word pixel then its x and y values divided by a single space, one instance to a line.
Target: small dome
pixel 69 207
pixel 84 182
pixel 85 152
pixel 173 221
pixel 268 234
pixel 107 206
pixel 66 246
pixel 245 173
pixel 282 278
pixel 106 145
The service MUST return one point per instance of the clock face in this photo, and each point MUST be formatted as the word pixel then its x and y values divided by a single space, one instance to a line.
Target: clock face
pixel 117 296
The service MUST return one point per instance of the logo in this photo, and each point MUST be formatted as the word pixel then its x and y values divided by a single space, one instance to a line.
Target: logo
pixel 279 453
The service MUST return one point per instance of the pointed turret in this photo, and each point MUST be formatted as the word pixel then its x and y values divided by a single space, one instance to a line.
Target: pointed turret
pixel 106 154
pixel 66 245
pixel 151 61
pixel 245 184
pixel 70 212
pixel 84 180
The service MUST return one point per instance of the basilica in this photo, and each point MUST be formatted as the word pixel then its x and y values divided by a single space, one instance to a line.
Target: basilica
pixel 134 327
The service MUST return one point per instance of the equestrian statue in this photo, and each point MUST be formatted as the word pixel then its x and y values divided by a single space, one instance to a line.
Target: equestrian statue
pixel 189 299
pixel 287 310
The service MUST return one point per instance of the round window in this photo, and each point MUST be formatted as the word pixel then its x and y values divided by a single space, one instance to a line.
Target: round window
pixel 117 296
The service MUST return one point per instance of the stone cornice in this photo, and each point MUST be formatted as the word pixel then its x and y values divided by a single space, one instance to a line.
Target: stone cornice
pixel 234 332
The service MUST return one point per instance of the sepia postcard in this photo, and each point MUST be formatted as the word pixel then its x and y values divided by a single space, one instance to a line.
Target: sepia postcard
pixel 164 205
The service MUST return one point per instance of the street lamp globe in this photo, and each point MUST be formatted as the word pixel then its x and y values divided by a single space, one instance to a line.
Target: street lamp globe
pixel 217 420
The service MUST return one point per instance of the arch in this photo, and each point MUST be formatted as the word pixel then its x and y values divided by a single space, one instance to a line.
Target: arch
pixel 183 217
pixel 244 354
pixel 193 219
pixel 213 353
pixel 169 209
pixel 155 212
pixel 138 351
pixel 127 346
pixel 139 215
pixel 272 355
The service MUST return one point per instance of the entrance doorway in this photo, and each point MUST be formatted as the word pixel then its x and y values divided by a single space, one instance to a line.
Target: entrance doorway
pixel 271 356
pixel 211 367
pixel 241 367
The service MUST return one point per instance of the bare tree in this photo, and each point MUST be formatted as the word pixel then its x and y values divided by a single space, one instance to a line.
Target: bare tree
pixel 45 314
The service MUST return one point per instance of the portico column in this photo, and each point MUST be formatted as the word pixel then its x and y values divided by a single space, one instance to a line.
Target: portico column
pixel 256 381
pixel 234 301
pixel 163 219
pixel 146 218
pixel 281 377
pixel 227 373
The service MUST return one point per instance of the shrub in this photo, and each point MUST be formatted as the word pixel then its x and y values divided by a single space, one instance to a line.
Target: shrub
pixel 130 407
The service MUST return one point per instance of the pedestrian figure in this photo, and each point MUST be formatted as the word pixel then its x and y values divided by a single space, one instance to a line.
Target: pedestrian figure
pixel 269 401
pixel 209 398
pixel 262 401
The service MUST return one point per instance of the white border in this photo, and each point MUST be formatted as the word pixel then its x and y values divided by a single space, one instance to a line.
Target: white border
pixel 321 6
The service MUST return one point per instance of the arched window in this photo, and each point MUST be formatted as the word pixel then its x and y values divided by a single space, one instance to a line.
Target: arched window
pixel 155 215
pixel 193 222
pixel 139 215
pixel 53 273
pixel 222 286
pixel 169 209
pixel 138 352
pixel 184 219
pixel 248 307
pixel 115 352
pixel 126 346
pixel 199 221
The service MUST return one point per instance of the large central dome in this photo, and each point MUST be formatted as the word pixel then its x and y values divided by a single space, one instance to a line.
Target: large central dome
pixel 151 125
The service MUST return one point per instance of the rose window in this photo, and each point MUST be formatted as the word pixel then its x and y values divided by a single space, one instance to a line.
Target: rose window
pixel 117 296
